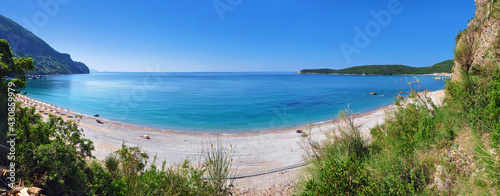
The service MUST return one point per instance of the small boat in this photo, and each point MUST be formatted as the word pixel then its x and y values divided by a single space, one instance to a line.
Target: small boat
pixel 373 93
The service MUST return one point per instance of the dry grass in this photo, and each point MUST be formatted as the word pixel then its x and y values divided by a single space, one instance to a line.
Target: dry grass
pixel 346 138
pixel 463 52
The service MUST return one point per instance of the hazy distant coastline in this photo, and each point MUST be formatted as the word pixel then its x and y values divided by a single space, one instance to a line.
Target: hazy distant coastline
pixel 442 67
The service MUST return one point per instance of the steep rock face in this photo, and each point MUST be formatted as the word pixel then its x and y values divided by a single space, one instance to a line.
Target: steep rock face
pixel 478 45
pixel 45 58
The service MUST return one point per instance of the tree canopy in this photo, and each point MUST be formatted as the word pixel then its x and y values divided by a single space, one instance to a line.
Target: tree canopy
pixel 15 68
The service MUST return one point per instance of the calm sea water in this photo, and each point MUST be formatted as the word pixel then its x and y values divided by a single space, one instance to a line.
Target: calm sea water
pixel 220 102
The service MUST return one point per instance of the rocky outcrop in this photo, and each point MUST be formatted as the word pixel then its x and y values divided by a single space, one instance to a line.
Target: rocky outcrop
pixel 477 46
pixel 46 59
pixel 23 191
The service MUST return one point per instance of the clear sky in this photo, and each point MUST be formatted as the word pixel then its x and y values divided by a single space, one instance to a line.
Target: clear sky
pixel 245 35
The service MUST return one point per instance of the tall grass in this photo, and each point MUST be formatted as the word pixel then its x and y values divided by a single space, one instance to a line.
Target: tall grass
pixel 219 166
pixel 463 51
pixel 126 172
pixel 400 159
pixel 335 164
pixel 476 98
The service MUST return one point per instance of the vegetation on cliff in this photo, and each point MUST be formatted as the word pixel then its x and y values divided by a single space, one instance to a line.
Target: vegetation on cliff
pixel 443 67
pixel 423 149
pixel 46 60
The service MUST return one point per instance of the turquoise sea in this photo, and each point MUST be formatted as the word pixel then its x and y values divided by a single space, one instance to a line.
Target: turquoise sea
pixel 221 102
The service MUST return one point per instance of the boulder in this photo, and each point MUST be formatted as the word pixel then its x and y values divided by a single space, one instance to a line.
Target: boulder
pixel 400 97
pixel 34 190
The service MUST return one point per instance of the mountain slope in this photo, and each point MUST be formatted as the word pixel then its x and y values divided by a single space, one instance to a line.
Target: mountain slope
pixel 45 58
pixel 443 67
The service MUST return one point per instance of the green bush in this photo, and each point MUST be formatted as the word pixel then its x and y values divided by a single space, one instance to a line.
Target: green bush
pixel 127 173
pixel 102 182
pixel 476 98
pixel 9 67
pixel 493 108
pixel 336 176
pixel 53 155
pixel 393 174
pixel 43 146
pixel 336 165
pixel 391 164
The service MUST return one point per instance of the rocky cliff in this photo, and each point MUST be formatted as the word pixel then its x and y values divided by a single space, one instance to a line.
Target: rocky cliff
pixel 46 59
pixel 478 45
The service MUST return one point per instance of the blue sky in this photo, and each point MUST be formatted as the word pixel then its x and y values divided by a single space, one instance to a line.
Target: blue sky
pixel 251 35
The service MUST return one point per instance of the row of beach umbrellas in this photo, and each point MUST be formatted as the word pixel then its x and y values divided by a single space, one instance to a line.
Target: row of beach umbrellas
pixel 42 106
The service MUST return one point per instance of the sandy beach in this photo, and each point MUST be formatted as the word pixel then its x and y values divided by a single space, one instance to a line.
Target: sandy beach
pixel 253 152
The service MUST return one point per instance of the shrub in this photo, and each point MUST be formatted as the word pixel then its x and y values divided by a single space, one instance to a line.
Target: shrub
pixel 397 175
pixel 336 164
pixel 390 165
pixel 218 165
pixel 102 182
pixel 336 176
pixel 132 161
pixel 127 173
pixel 493 108
pixel 51 154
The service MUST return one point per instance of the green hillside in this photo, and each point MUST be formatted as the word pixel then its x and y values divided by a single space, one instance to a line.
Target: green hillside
pixel 443 67
pixel 46 59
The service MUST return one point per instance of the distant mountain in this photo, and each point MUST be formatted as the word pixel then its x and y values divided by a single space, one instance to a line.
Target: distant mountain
pixel 443 67
pixel 45 58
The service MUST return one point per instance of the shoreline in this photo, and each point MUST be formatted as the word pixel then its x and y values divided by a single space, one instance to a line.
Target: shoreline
pixel 249 131
pixel 238 133
pixel 253 152
pixel 127 125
